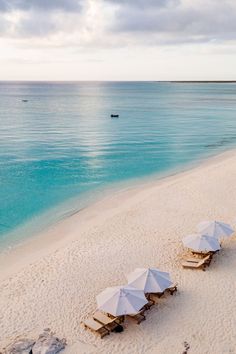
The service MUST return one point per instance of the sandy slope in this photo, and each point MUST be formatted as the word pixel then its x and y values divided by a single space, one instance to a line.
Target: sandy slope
pixel 56 285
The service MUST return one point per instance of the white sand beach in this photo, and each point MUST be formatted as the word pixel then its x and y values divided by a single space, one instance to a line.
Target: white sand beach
pixel 52 280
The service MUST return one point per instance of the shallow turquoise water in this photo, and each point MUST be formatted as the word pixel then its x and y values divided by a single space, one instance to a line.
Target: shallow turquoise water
pixel 62 143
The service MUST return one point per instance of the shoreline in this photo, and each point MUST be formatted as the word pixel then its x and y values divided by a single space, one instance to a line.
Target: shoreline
pixel 47 219
pixel 52 281
pixel 41 243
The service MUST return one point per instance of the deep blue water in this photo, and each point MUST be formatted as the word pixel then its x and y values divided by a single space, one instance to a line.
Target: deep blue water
pixel 62 143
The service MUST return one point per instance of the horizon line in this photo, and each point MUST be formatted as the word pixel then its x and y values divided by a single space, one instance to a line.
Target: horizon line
pixel 78 81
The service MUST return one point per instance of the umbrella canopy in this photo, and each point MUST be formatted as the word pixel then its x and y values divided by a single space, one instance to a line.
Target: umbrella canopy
pixel 201 243
pixel 150 280
pixel 121 300
pixel 215 229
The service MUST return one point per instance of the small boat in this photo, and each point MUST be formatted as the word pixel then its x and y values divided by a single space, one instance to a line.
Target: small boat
pixel 114 115
pixel 24 100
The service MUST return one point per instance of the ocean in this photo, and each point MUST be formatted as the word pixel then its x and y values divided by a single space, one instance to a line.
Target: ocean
pixel 61 148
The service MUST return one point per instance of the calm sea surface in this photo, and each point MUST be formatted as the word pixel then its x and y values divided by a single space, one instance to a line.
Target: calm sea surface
pixel 62 145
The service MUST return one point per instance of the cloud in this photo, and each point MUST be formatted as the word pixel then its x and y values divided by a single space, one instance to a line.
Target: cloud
pixel 43 5
pixel 3 24
pixel 114 23
pixel 142 3
pixel 36 25
pixel 175 21
pixel 38 18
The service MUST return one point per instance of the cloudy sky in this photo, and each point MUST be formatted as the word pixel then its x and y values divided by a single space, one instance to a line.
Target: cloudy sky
pixel 117 39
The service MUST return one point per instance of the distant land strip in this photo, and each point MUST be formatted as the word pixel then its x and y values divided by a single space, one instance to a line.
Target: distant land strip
pixel 204 82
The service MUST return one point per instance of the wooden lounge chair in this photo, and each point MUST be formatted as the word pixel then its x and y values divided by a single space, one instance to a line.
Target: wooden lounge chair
pixel 119 319
pixel 207 259
pixel 155 296
pixel 110 323
pixel 149 304
pixel 172 289
pixel 96 327
pixel 196 263
pixel 139 317
pixel 202 254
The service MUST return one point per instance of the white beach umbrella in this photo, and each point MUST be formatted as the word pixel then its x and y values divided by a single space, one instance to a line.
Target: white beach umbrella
pixel 150 280
pixel 215 229
pixel 121 300
pixel 201 243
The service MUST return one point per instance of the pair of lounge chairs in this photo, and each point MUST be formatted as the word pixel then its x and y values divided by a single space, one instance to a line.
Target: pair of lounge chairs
pixel 140 316
pixel 171 290
pixel 155 296
pixel 195 263
pixel 198 260
pixel 103 324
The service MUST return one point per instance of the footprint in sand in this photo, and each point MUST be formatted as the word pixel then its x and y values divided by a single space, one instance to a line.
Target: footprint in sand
pixel 187 347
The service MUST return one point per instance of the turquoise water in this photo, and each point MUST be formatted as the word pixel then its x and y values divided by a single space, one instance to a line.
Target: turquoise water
pixel 62 143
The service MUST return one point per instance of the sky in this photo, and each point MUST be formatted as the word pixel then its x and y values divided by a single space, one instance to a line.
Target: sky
pixel 117 40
